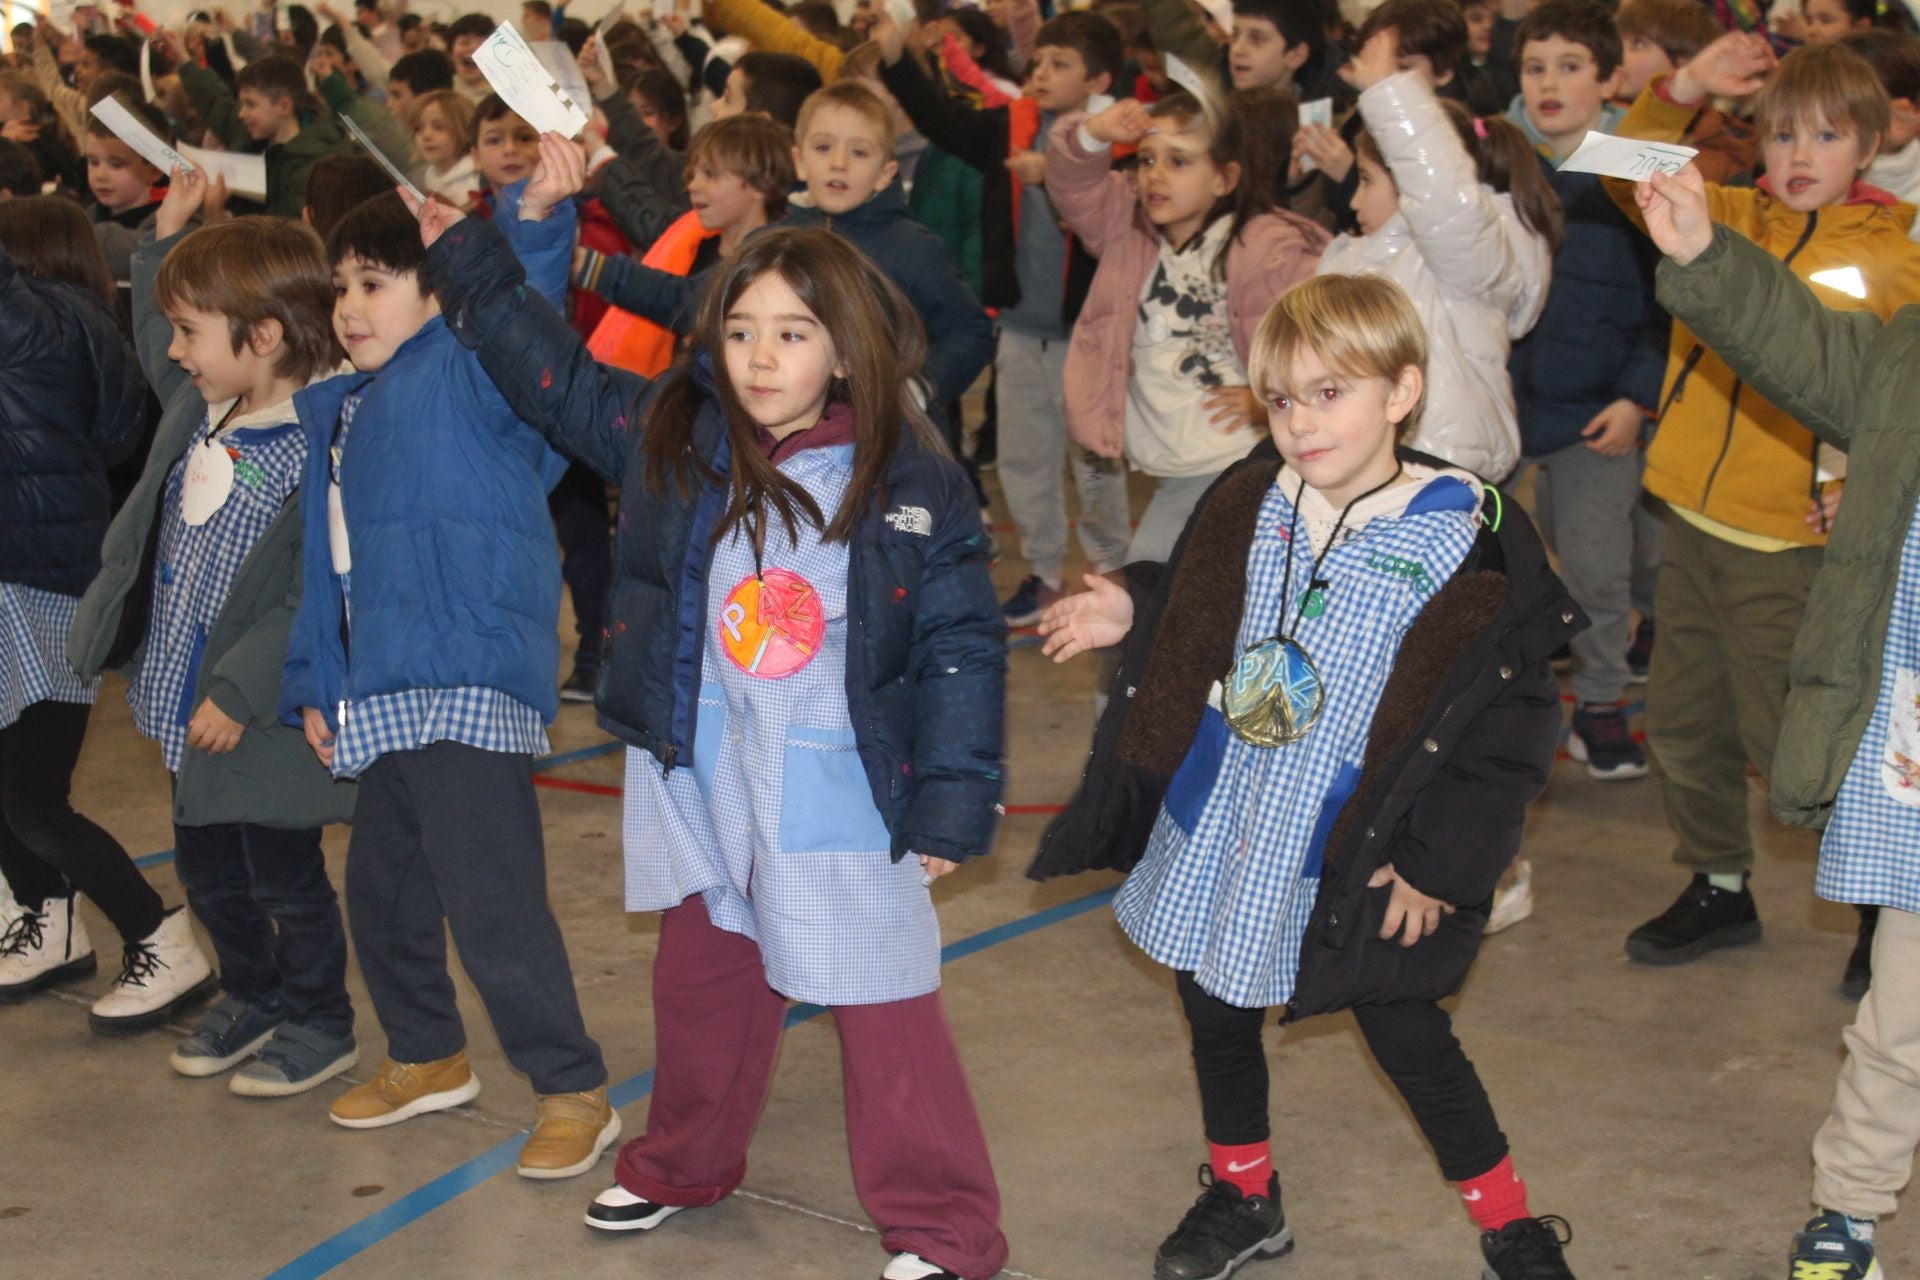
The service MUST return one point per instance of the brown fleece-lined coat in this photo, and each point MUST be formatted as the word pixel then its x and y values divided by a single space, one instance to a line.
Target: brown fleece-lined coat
pixel 1461 742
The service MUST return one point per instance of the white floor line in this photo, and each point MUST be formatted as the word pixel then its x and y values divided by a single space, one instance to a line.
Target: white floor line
pixel 862 1227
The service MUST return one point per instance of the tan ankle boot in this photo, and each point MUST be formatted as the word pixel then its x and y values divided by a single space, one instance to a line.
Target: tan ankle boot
pixel 402 1090
pixel 572 1131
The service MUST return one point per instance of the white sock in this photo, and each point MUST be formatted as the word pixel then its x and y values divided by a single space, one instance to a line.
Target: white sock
pixel 1731 883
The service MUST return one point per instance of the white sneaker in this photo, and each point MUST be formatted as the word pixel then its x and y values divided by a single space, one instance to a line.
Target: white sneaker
pixel 40 948
pixel 159 973
pixel 1512 902
pixel 618 1209
pixel 10 908
pixel 911 1266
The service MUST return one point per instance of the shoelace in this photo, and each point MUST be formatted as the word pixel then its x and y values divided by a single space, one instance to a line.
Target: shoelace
pixel 1538 1249
pixel 1212 1217
pixel 138 962
pixel 25 934
pixel 1805 1270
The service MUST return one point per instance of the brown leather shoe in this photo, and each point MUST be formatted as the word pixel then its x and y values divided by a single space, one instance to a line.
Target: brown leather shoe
pixel 572 1131
pixel 402 1090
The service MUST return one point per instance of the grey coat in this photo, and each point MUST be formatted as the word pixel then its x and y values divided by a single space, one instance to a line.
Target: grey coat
pixel 272 779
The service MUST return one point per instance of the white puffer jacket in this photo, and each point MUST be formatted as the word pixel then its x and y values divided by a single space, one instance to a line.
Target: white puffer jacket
pixel 1475 273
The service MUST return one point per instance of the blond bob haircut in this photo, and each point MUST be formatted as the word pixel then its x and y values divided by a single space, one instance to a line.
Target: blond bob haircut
pixel 854 96
pixel 1356 326
pixel 250 270
pixel 456 110
pixel 1827 83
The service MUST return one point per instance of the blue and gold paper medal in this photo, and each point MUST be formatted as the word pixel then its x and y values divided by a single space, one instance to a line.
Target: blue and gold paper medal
pixel 1274 694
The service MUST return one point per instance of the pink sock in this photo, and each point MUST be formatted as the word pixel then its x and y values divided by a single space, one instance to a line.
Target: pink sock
pixel 1496 1197
pixel 1248 1167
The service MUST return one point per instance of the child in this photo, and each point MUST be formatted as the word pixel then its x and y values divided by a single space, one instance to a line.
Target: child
pixel 831 641
pixel 1243 785
pixel 1458 213
pixel 1037 275
pixel 1895 58
pixel 768 84
pixel 340 184
pixel 19 172
pixel 230 322
pixel 126 188
pixel 1657 38
pixel 1743 479
pixel 28 117
pixel 662 105
pixel 506 149
pixel 1847 736
pixel 536 20
pixel 466 34
pixel 443 138
pixel 414 77
pixel 1587 377
pixel 1180 291
pixel 1487 79
pixel 422 662
pixel 268 110
pixel 1824 21
pixel 71 403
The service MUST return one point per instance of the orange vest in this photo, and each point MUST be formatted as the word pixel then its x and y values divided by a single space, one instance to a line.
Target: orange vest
pixel 623 339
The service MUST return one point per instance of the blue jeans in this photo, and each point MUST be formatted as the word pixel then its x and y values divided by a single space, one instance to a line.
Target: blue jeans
pixel 264 898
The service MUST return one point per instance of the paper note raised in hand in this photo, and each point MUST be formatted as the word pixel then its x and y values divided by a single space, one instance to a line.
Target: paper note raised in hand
pixel 385 161
pixel 1315 111
pixel 1634 159
pixel 246 174
pixel 524 82
pixel 148 145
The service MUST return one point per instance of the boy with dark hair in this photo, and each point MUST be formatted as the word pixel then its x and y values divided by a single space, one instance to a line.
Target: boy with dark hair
pixel 1037 275
pixel 768 84
pixel 1587 378
pixel 1895 59
pixel 413 33
pixel 467 34
pixel 1657 38
pixel 268 109
pixel 422 662
pixel 415 76
pixel 1433 39
pixel 1487 79
pixel 126 189
pixel 19 171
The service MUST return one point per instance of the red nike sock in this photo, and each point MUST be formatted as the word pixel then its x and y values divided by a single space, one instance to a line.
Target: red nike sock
pixel 1248 1167
pixel 1496 1197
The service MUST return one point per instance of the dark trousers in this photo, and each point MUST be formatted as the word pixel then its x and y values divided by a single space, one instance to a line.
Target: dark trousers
pixel 584 528
pixel 920 1161
pixel 46 849
pixel 1414 1044
pixel 448 836
pixel 264 897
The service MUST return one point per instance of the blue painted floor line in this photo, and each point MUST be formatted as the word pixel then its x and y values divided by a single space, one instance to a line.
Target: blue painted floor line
pixel 417 1204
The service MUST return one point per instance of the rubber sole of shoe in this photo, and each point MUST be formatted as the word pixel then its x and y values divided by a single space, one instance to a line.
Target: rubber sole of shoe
pixel 1024 619
pixel 1278 1245
pixel 85 967
pixel 607 1137
pixel 247 1086
pixel 199 1068
pixel 445 1100
pixel 1734 935
pixel 661 1212
pixel 200 991
pixel 576 696
pixel 1577 750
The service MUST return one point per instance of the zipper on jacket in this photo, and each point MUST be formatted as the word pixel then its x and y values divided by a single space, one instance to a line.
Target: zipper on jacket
pixel 1680 380
pixel 1733 401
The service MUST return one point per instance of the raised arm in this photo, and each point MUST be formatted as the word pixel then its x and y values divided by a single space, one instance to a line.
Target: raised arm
pixel 648 292
pixel 387 133
pixel 767 29
pixel 1096 202
pixel 975 137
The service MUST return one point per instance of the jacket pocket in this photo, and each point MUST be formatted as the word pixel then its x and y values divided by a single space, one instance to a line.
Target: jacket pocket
pixel 184 713
pixel 1193 781
pixel 826 803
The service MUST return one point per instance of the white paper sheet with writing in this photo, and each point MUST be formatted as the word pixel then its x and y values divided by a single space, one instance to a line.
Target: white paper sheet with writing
pixel 559 59
pixel 1634 159
pixel 1315 111
pixel 246 174
pixel 385 161
pixel 148 145
pixel 524 82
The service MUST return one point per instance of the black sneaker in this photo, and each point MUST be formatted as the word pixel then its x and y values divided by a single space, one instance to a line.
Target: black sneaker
pixel 1223 1230
pixel 1600 741
pixel 1028 601
pixel 618 1209
pixel 1527 1249
pixel 1640 652
pixel 1859 975
pixel 580 685
pixel 1701 919
pixel 1829 1248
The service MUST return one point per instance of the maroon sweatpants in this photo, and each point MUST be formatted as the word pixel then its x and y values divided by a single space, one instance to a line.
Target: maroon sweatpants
pixel 920 1161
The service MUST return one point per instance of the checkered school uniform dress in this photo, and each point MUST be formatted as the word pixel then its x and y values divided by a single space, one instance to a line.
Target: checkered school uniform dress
pixel 775 825
pixel 194 569
pixel 33 651
pixel 415 718
pixel 1232 868
pixel 1870 853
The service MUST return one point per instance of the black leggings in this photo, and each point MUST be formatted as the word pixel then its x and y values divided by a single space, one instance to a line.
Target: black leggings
pixel 46 849
pixel 1414 1044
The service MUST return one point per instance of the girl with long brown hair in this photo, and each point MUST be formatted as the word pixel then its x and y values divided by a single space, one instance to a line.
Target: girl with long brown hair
pixel 807 661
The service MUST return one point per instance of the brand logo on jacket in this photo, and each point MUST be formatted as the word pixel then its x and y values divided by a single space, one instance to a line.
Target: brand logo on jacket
pixel 916 520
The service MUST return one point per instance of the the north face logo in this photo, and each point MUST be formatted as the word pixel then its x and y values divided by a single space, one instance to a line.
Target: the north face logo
pixel 912 520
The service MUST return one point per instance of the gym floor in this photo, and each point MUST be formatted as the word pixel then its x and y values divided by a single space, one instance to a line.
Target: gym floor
pixel 1666 1114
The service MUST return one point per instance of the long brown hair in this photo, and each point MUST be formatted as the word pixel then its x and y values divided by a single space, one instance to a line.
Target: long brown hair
pixel 49 238
pixel 1254 131
pixel 879 342
pixel 1505 160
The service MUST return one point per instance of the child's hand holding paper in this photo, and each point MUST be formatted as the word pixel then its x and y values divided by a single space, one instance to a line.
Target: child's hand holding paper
pixel 1675 209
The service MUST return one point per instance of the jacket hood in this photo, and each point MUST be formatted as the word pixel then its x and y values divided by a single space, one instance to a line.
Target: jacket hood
pixel 883 207
pixel 1610 118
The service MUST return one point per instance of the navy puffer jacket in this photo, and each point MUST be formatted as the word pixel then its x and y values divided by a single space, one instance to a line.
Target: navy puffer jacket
pixel 72 403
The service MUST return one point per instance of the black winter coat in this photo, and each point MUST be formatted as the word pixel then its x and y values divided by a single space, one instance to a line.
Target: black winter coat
pixel 72 403
pixel 1462 741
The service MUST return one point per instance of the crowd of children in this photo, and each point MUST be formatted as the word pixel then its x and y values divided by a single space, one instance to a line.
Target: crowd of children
pixel 294 463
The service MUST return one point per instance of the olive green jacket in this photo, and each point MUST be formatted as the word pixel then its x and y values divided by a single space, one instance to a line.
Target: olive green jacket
pixel 1854 381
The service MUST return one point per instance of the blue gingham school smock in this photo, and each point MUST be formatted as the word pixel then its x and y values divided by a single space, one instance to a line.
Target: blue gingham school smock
pixel 33 651
pixel 1870 853
pixel 1232 868
pixel 774 824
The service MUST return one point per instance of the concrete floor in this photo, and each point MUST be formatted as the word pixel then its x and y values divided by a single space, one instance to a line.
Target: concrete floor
pixel 1665 1114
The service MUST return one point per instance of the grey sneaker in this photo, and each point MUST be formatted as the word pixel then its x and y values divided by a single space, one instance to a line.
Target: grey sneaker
pixel 294 1061
pixel 230 1034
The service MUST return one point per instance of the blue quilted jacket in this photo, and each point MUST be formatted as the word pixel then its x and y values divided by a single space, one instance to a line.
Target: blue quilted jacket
pixel 926 659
